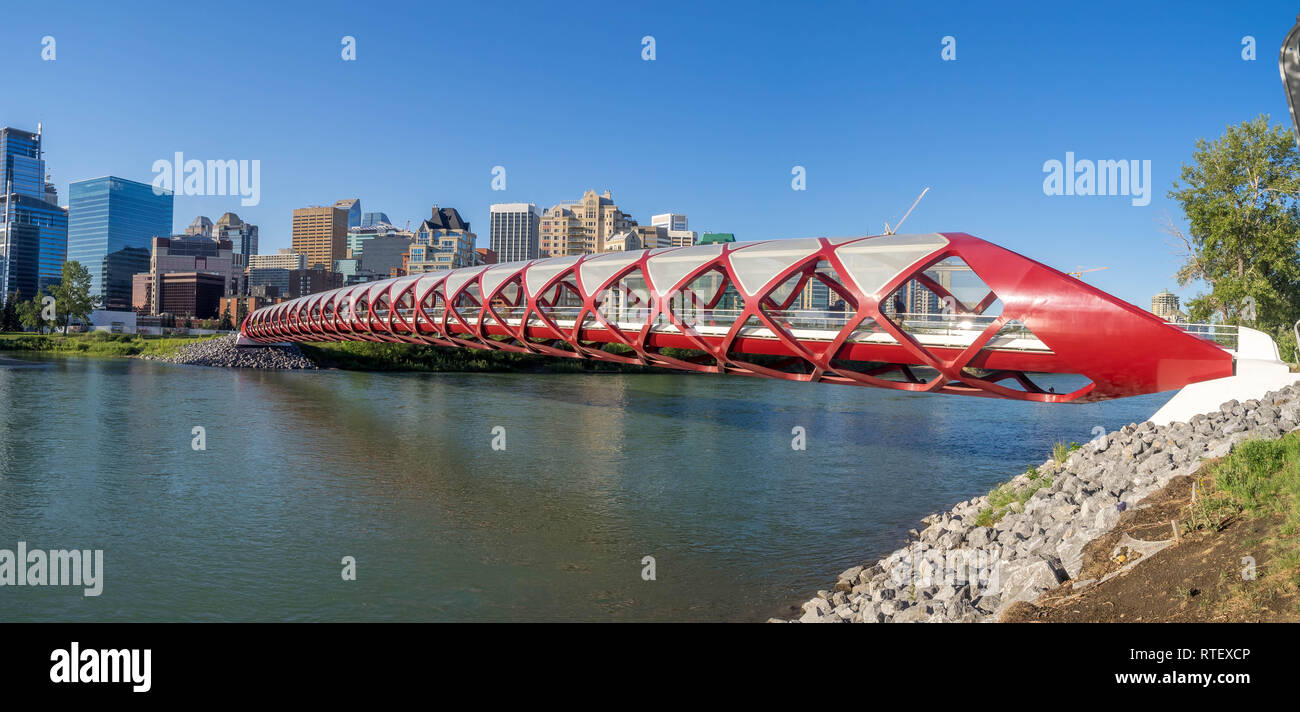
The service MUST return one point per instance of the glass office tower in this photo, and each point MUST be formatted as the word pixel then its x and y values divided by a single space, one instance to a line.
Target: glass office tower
pixel 33 232
pixel 20 160
pixel 111 222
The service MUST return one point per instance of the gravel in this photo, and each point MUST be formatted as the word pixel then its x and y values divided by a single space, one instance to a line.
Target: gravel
pixel 954 570
pixel 223 352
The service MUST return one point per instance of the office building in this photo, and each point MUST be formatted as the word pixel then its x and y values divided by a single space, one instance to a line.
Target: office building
pixel 292 283
pixel 321 234
pixel 369 219
pixel 384 254
pixel 353 208
pixel 194 254
pixel 515 232
pixel 33 228
pixel 486 256
pixel 358 236
pixel 111 224
pixel 186 294
pixel 716 238
pixel 201 227
pixel 285 258
pixel 242 236
pixel 22 165
pixel 33 244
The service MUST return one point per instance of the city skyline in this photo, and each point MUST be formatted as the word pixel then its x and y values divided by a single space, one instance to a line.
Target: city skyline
pixel 723 156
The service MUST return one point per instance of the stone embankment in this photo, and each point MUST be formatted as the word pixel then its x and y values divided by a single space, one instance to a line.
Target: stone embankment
pixel 956 569
pixel 222 352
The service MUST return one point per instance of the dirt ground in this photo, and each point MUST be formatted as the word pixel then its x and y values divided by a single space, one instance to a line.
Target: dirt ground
pixel 1198 578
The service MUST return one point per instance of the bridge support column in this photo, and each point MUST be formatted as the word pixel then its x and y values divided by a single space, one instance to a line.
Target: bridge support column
pixel 1259 369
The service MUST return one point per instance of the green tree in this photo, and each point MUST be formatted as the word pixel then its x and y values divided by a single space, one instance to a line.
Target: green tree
pixel 9 315
pixel 241 313
pixel 29 314
pixel 72 294
pixel 226 324
pixel 1240 198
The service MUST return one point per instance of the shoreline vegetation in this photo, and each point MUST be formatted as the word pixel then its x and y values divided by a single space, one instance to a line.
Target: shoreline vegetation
pixel 350 355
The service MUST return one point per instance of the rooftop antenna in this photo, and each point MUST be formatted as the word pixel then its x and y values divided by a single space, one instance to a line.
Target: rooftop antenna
pixel 891 231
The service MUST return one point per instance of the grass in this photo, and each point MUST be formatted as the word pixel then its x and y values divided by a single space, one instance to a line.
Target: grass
pixel 1260 479
pixel 1008 496
pixel 96 343
pixel 1061 451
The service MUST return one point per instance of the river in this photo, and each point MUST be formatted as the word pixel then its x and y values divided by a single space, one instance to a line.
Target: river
pixel 589 475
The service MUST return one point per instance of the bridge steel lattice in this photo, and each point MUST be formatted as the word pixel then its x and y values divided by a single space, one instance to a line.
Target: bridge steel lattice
pixel 939 312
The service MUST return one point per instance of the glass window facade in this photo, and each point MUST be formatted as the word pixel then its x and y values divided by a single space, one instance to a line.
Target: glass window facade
pixel 32 249
pixel 111 222
pixel 20 160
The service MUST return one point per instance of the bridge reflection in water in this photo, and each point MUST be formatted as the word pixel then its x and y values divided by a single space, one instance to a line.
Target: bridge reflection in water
pixel 938 312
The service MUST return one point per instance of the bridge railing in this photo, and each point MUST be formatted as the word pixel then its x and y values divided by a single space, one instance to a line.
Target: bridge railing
pixel 1224 335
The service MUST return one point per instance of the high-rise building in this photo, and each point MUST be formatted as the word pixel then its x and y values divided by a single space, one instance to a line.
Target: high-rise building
pixel 22 167
pixel 320 232
pixel 242 236
pixel 183 253
pixel 33 244
pixel 716 238
pixel 111 224
pixel 33 228
pixel 286 258
pixel 583 226
pixel 516 231
pixel 1165 305
pixel 201 227
pixel 368 219
pixel 353 208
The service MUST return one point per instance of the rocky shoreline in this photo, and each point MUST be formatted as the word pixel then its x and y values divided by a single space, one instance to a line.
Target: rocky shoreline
pixel 223 353
pixel 959 570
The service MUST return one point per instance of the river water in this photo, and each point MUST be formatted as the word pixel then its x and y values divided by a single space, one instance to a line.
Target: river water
pixel 590 474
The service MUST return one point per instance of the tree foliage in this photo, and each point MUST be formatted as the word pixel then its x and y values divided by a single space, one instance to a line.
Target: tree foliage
pixel 72 294
pixel 1239 195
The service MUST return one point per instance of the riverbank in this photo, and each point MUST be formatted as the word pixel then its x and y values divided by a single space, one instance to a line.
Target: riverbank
pixel 97 343
pixel 347 356
pixel 1042 531
pixel 1222 545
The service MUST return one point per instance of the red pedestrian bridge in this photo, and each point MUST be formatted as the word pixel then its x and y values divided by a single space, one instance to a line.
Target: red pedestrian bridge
pixel 937 312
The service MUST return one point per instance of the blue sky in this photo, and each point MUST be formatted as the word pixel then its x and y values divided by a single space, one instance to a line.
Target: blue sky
pixel 739 94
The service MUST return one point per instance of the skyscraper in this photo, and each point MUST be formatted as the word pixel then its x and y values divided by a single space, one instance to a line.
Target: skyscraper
pixel 21 162
pixel 33 228
pixel 353 208
pixel 370 219
pixel 242 236
pixel 321 233
pixel 111 225
pixel 515 231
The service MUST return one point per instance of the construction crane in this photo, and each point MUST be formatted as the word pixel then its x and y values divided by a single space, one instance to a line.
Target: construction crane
pixel 1078 273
